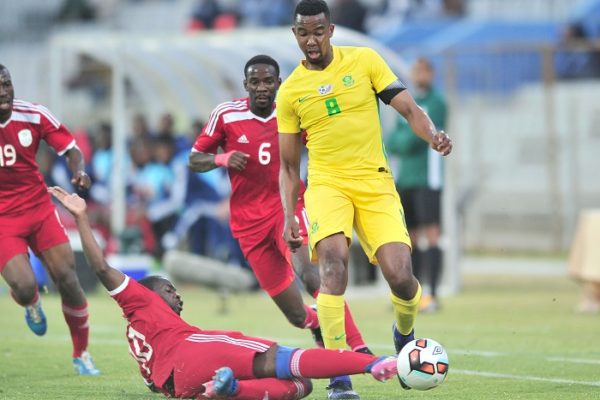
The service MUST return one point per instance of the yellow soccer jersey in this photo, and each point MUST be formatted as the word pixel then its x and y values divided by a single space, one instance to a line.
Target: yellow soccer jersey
pixel 338 108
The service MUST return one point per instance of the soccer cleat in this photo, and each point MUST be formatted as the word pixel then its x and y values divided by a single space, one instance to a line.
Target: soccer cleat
pixel 316 332
pixel 223 384
pixel 383 368
pixel 400 341
pixel 341 390
pixel 36 319
pixel 84 365
pixel 364 350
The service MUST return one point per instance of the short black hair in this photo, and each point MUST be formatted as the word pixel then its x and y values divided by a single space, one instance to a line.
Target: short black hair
pixel 151 282
pixel 261 59
pixel 312 7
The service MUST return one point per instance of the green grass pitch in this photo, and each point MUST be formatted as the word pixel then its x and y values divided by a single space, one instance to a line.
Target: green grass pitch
pixel 507 338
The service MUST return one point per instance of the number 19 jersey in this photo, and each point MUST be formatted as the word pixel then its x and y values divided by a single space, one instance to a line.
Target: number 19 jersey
pixel 255 190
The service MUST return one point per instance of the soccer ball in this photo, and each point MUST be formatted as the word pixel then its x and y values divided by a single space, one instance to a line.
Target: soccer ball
pixel 422 364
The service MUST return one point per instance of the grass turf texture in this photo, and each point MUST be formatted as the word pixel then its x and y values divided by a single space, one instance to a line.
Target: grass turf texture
pixel 507 338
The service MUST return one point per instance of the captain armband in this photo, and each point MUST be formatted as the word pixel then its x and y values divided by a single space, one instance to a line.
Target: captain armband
pixel 387 94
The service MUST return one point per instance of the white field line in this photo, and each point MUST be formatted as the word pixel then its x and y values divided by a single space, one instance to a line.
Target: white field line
pixel 522 377
pixel 574 360
pixel 482 353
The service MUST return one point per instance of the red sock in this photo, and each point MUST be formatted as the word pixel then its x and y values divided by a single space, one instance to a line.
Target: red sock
pixel 324 363
pixel 353 337
pixel 77 320
pixel 272 389
pixel 311 321
pixel 36 298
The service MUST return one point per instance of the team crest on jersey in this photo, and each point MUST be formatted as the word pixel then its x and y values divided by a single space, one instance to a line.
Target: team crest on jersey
pixel 347 80
pixel 25 137
pixel 325 89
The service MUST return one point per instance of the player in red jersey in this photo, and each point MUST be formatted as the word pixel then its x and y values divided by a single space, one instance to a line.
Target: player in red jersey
pixel 246 130
pixel 29 219
pixel 178 359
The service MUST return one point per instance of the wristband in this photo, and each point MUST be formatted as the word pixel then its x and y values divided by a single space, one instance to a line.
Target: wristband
pixel 222 159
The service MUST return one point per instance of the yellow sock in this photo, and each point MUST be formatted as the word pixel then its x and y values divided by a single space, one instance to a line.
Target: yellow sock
pixel 406 311
pixel 330 310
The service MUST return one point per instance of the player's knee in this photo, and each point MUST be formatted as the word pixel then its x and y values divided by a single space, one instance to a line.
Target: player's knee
pixel 24 290
pixel 310 279
pixel 400 278
pixel 66 280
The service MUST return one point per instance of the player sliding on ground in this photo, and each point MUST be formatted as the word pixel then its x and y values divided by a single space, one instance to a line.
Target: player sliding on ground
pixel 246 130
pixel 179 360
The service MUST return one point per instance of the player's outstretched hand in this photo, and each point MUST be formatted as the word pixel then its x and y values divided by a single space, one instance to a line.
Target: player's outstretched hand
pixel 291 234
pixel 81 181
pixel 72 202
pixel 442 143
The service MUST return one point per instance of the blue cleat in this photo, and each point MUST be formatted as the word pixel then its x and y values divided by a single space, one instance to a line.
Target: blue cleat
pixel 340 388
pixel 223 384
pixel 36 319
pixel 84 365
pixel 400 341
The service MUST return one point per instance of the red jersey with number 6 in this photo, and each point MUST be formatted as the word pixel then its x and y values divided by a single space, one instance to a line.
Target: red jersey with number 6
pixel 21 184
pixel 255 190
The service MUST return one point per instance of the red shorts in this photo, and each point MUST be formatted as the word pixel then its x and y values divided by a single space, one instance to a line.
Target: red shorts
pixel 200 354
pixel 39 228
pixel 268 254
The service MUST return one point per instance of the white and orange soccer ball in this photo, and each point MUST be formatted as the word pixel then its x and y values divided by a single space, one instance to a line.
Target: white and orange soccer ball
pixel 422 364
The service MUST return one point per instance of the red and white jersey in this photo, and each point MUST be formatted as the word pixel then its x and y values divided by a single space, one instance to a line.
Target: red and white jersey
pixel 153 331
pixel 255 190
pixel 21 184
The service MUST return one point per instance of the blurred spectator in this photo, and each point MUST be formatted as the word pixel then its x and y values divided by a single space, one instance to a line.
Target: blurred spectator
pixel 148 183
pixel 266 12
pixel 203 14
pixel 576 58
pixel 101 165
pixel 454 8
pixel 350 14
pixel 166 129
pixel 76 11
pixel 140 128
pixel 419 182
pixel 204 219
pixel 164 210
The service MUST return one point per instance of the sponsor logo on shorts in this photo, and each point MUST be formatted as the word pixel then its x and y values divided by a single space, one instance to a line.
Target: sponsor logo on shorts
pixel 339 337
pixel 314 227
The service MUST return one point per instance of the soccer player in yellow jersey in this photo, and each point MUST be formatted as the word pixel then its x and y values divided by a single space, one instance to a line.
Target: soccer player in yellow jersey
pixel 333 96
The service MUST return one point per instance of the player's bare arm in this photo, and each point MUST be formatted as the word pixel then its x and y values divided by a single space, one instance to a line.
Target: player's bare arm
pixel 111 278
pixel 289 185
pixel 420 122
pixel 202 162
pixel 76 164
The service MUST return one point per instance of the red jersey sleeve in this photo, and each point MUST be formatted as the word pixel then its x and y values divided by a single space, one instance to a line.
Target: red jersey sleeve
pixel 130 295
pixel 54 133
pixel 212 135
